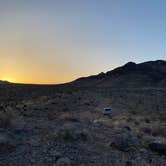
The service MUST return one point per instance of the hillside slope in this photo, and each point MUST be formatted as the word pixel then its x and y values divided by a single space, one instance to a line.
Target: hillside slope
pixel 131 75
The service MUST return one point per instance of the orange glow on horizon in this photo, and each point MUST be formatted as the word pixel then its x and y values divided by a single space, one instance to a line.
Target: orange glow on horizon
pixel 34 81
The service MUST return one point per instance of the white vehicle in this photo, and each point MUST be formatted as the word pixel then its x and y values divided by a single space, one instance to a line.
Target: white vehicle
pixel 107 111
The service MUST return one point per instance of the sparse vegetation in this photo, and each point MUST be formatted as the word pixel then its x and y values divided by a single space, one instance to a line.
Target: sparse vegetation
pixel 46 125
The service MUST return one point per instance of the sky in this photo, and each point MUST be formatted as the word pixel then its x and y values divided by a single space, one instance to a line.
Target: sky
pixel 57 41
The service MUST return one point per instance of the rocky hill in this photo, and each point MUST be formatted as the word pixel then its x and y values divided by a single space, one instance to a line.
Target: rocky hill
pixel 131 75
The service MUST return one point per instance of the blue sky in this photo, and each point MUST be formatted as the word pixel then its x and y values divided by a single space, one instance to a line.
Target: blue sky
pixel 54 41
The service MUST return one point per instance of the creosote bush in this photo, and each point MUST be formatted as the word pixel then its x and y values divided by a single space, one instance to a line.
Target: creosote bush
pixel 6 119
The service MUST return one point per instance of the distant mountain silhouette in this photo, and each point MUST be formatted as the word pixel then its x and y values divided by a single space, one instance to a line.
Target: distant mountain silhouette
pixel 4 82
pixel 131 75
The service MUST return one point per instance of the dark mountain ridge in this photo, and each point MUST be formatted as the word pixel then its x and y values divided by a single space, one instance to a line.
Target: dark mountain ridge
pixel 131 75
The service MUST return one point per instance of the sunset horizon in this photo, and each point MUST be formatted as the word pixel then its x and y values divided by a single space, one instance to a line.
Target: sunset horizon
pixel 52 42
pixel 82 82
pixel 13 80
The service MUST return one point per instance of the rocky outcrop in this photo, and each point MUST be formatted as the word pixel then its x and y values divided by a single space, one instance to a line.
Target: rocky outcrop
pixel 63 162
pixel 125 141
pixel 158 147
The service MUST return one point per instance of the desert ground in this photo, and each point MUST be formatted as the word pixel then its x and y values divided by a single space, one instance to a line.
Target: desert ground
pixel 65 126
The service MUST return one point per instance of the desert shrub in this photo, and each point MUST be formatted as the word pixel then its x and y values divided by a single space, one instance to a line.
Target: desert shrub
pixel 5 119
pixel 65 109
pixel 133 112
pixel 69 92
pixel 50 115
pixel 146 130
pixel 67 115
pixel 129 119
pixel 79 98
pixel 159 131
pixel 87 103
pixel 71 133
pixel 162 117
pixel 147 120
pixel 71 119
pixel 136 123
pixel 10 118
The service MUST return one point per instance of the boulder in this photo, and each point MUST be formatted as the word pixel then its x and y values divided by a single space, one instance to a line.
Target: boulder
pixel 125 141
pixel 128 163
pixel 158 147
pixel 63 162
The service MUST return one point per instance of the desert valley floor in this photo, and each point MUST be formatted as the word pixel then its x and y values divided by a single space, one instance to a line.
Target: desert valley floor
pixel 65 126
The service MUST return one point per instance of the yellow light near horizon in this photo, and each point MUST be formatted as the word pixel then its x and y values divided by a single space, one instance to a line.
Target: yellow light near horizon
pixel 7 78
